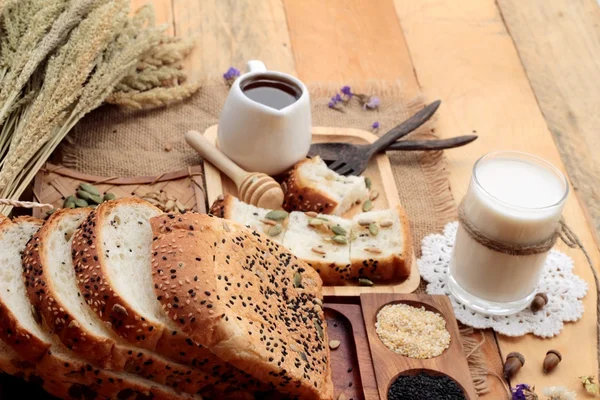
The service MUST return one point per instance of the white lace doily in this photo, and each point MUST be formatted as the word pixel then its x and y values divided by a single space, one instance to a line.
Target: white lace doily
pixel 564 289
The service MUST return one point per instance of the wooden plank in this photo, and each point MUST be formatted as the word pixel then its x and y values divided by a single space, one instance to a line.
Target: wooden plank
pixel 463 54
pixel 163 10
pixel 559 44
pixel 349 41
pixel 230 33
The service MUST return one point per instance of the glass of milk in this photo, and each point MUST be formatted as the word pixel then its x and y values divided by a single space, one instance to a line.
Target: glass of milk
pixel 514 198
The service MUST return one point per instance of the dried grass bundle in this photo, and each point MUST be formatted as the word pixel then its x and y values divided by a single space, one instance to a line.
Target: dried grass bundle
pixel 60 59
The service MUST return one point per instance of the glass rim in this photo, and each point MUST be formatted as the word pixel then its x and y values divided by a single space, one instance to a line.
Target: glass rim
pixel 524 156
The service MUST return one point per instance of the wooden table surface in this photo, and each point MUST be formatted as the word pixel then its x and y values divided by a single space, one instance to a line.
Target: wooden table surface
pixel 524 75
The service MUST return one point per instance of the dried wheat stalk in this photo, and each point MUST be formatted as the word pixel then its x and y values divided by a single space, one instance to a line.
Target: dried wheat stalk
pixel 60 59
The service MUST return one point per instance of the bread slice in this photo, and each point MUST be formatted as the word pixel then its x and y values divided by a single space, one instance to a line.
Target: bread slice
pixel 111 256
pixel 386 256
pixel 255 218
pixel 384 251
pixel 52 288
pixel 312 186
pixel 18 325
pixel 247 299
pixel 56 363
pixel 312 240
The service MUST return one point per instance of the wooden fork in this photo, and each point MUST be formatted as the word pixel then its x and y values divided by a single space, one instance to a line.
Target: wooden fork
pixel 353 159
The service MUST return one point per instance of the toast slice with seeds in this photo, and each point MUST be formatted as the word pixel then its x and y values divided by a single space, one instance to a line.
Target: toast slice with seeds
pixel 323 242
pixel 61 371
pixel 52 289
pixel 312 186
pixel 259 219
pixel 382 245
pixel 112 259
pixel 247 299
pixel 382 252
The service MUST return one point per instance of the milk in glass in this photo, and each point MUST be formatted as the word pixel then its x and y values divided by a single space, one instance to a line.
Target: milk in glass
pixel 514 198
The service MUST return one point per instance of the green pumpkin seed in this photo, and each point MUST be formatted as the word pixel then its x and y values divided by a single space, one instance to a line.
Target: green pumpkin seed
pixel 315 222
pixel 340 239
pixel 69 202
pixel 303 356
pixel 338 230
pixel 81 203
pixel 367 205
pixel 319 328
pixel 96 199
pixel 274 230
pixel 84 195
pixel 297 280
pixel 109 196
pixel 91 189
pixel 373 229
pixel 365 282
pixel 50 212
pixel 276 215
pixel 368 182
pixel 323 219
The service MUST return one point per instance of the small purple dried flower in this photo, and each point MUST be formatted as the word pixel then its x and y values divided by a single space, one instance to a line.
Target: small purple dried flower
pixel 347 91
pixel 523 392
pixel 231 74
pixel 334 100
pixel 375 125
pixel 372 104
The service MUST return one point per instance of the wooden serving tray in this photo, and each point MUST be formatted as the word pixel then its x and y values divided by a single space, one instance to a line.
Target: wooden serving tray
pixel 351 364
pixel 388 364
pixel 382 180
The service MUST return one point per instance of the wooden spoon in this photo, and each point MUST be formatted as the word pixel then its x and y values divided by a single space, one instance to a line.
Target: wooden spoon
pixel 253 187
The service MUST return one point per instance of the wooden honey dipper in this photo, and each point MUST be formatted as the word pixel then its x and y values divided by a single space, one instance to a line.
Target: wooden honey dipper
pixel 254 188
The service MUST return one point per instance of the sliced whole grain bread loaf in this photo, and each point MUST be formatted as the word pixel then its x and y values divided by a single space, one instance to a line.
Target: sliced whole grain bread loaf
pixel 52 288
pixel 246 298
pixel 56 365
pixel 111 256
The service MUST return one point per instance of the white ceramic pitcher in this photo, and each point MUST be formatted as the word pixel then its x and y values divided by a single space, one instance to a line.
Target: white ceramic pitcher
pixel 260 138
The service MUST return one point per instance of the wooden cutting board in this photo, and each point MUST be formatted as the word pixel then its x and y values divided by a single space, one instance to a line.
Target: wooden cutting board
pixel 382 180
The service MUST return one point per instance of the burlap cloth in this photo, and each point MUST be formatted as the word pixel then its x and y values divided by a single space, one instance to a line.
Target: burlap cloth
pixel 113 142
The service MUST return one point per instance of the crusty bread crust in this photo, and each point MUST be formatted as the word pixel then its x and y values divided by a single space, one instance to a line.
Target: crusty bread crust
pixel 83 380
pixel 54 314
pixel 300 196
pixel 95 285
pixel 28 346
pixel 88 255
pixel 222 207
pixel 101 350
pixel 395 267
pixel 236 294
pixel 332 273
